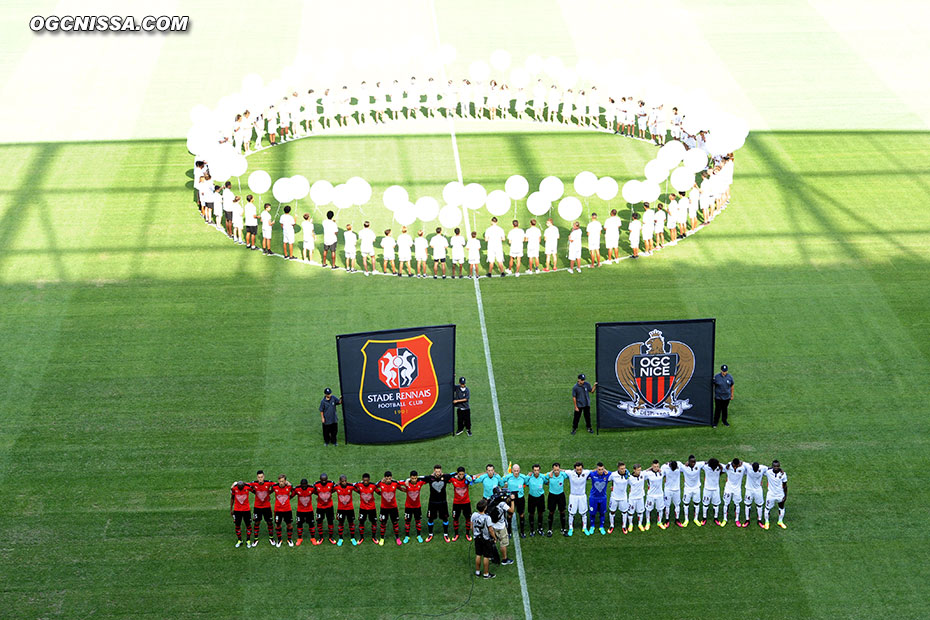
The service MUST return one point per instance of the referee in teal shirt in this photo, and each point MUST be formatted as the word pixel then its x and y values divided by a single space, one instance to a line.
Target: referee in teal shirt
pixel 535 486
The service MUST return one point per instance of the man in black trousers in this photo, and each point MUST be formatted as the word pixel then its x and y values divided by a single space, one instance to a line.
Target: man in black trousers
pixel 723 394
pixel 581 399
pixel 460 400
pixel 328 417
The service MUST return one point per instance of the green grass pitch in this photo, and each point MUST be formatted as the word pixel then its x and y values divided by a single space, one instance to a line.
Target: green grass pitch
pixel 148 362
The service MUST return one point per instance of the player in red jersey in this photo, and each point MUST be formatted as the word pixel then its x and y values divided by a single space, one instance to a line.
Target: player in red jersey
pixel 461 503
pixel 239 510
pixel 282 509
pixel 262 490
pixel 387 489
pixel 304 494
pixel 345 511
pixel 324 506
pixel 412 509
pixel 366 510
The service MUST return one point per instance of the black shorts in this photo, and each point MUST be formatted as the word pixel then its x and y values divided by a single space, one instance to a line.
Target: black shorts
pixel 325 512
pixel 208 205
pixel 243 515
pixel 484 547
pixel 437 511
pixel 305 517
pixel 283 515
pixel 263 513
pixel 252 230
pixel 389 513
pixel 556 502
pixel 537 504
pixel 461 509
pixel 367 515
pixel 412 513
pixel 439 260
pixel 519 505
pixel 227 216
pixel 330 247
pixel 346 515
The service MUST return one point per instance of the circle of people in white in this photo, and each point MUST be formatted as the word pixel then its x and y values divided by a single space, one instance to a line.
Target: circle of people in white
pixel 297 116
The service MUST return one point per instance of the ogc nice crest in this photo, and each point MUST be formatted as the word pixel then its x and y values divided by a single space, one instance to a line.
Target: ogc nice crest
pixel 399 382
pixel 653 374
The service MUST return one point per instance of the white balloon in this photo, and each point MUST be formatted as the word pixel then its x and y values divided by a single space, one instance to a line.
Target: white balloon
pixel 252 83
pixel 238 165
pixel 553 66
pixel 342 196
pixel 585 183
pixel 361 58
pixel 321 192
pixel 534 63
pixel 479 71
pixel 607 188
pixel 655 172
pixel 695 160
pixel 552 188
pixel 395 196
pixel 300 186
pixel 650 192
pixel 632 191
pixel 516 186
pixel 450 216
pixel 259 181
pixel 682 179
pixel 568 78
pixel 405 214
pixel 500 60
pixel 453 193
pixel 498 202
pixel 519 77
pixel 569 208
pixel 199 140
pixel 200 114
pixel 281 190
pixel 447 53
pixel 219 171
pixel 537 204
pixel 474 196
pixel 671 153
pixel 427 208
pixel 359 190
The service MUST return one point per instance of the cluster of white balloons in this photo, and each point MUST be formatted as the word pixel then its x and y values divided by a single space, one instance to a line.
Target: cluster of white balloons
pixel 354 192
pixel 674 163
pixel 224 161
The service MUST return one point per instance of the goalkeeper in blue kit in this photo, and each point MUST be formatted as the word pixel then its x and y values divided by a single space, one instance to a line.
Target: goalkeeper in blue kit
pixel 597 500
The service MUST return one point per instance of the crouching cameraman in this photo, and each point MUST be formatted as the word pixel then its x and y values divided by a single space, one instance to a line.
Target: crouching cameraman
pixel 500 509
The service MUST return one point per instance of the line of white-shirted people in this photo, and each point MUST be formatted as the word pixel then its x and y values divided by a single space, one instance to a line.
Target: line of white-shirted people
pixel 594 494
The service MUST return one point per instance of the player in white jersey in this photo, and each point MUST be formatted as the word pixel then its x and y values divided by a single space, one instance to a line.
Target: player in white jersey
pixel 594 229
pixel 712 470
pixel 387 252
pixel 578 496
pixel 330 237
pixel 777 493
pixel 494 236
pixel 655 496
pixel 552 245
pixel 366 242
pixel 515 239
pixel 671 471
pixel 574 248
pixel 754 475
pixel 676 124
pixel 620 482
pixel 349 240
pixel 474 254
pixel 637 491
pixel 648 227
pixel 612 226
pixel 635 229
pixel 658 226
pixel 692 472
pixel 420 255
pixel 533 237
pixel 267 223
pixel 733 490
pixel 404 243
pixel 457 243
pixel 306 231
pixel 439 245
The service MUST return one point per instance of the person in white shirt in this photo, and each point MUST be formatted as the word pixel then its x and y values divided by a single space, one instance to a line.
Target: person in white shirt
pixel 515 238
pixel 658 225
pixel 330 237
pixel 387 252
pixel 733 490
pixel 637 491
pixel 533 237
pixel 271 115
pixel 349 239
pixel 404 244
pixel 237 220
pixel 635 228
pixel 287 222
pixel 676 124
pixel 693 199
pixel 551 237
pixel 619 481
pixel 251 221
pixel 671 471
pixel 712 470
pixel 539 100
pixel 776 493
pixel 648 228
pixel 397 100
pixel 672 219
pixel 420 246
pixel 494 236
pixel 655 496
pixel 578 496
pixel 594 229
pixel 439 244
pixel 692 473
pixel 458 252
pixel 379 104
pixel 474 254
pixel 552 104
pixel 207 197
pixel 309 238
pixel 267 223
pixel 754 475
pixel 363 105
pixel 366 242
pixel 612 227
pixel 228 197
pixel 574 248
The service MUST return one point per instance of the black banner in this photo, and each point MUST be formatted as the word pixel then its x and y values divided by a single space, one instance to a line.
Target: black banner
pixel 655 373
pixel 397 384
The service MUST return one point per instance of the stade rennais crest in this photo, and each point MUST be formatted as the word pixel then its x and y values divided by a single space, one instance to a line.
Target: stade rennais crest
pixel 399 383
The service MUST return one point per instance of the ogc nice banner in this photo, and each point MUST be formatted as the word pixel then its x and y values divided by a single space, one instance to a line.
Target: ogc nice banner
pixel 397 385
pixel 655 373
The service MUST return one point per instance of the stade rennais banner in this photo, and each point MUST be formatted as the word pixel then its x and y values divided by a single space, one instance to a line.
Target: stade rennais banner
pixel 655 373
pixel 397 384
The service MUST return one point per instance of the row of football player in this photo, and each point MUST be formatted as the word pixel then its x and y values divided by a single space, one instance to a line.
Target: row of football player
pixel 299 115
pixel 240 222
pixel 633 493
